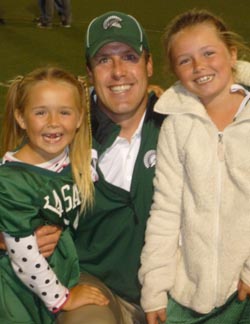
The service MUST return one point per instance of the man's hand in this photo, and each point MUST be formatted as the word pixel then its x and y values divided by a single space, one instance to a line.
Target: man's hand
pixel 2 243
pixel 156 89
pixel 156 317
pixel 47 238
pixel 243 290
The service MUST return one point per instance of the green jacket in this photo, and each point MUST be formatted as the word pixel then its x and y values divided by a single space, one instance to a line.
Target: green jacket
pixel 110 236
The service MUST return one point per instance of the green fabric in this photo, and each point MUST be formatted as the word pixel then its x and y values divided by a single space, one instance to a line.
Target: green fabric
pixel 31 196
pixel 233 312
pixel 110 236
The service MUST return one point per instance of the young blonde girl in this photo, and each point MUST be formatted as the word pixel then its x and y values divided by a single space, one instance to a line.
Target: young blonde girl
pixel 45 178
pixel 196 258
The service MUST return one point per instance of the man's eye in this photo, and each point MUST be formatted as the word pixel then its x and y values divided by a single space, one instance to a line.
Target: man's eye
pixel 103 60
pixel 131 57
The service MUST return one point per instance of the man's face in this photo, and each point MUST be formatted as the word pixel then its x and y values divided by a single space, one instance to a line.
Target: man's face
pixel 120 78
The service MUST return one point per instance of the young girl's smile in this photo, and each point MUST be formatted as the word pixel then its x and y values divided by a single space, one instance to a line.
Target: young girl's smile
pixel 202 61
pixel 51 118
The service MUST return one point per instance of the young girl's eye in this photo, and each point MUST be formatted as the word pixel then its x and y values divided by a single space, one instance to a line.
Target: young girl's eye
pixel 66 112
pixel 39 112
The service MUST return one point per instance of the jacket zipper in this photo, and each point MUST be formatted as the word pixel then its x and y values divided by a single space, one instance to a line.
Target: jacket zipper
pixel 220 147
pixel 220 153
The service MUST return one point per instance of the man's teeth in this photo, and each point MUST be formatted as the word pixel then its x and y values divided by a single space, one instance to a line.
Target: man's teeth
pixel 121 88
pixel 204 79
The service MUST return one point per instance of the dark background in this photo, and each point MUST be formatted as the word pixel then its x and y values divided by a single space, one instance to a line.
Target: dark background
pixel 24 47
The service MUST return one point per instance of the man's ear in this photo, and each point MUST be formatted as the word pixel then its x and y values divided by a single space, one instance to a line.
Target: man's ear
pixel 19 119
pixel 150 69
pixel 90 74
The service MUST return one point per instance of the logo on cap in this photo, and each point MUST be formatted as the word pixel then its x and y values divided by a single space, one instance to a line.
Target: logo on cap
pixel 112 21
pixel 115 27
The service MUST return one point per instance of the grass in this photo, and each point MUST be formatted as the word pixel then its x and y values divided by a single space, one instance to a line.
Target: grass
pixel 24 47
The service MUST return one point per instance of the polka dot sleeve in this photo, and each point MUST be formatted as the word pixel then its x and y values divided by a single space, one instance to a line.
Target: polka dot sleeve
pixel 34 271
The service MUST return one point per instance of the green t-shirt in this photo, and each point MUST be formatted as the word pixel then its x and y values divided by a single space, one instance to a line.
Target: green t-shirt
pixel 30 197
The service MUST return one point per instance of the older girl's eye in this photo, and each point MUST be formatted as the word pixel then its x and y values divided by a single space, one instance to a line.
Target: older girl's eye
pixel 209 53
pixel 39 112
pixel 183 61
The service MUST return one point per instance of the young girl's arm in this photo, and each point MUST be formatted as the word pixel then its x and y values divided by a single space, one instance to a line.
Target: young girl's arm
pixel 34 271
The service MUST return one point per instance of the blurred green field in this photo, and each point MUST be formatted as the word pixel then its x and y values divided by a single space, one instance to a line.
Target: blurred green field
pixel 23 46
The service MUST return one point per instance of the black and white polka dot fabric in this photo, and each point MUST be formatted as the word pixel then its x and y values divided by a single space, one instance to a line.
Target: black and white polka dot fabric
pixel 34 271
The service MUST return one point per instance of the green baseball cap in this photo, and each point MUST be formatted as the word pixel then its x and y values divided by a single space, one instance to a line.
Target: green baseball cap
pixel 115 26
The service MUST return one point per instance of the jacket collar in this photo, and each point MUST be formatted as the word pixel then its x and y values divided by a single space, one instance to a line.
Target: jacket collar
pixel 103 127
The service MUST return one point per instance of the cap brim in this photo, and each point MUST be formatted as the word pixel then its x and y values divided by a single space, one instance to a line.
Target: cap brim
pixel 94 48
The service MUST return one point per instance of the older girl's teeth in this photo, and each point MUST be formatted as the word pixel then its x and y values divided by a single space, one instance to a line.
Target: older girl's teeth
pixel 121 88
pixel 204 79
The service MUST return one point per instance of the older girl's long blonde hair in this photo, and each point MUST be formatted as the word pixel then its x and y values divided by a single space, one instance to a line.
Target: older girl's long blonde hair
pixel 80 148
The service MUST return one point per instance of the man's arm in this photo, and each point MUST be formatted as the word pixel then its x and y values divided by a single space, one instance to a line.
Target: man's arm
pixel 47 238
pixel 2 244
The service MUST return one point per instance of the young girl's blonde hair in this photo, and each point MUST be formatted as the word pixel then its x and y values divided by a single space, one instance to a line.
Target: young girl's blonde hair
pixel 195 17
pixel 80 148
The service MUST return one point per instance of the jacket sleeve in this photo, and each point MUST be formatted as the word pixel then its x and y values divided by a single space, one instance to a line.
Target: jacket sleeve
pixel 34 271
pixel 160 252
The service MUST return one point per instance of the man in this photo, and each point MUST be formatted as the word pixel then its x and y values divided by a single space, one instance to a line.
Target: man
pixel 125 132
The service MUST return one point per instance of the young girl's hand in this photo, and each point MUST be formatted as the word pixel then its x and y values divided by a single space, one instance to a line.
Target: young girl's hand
pixel 81 295
pixel 243 290
pixel 156 317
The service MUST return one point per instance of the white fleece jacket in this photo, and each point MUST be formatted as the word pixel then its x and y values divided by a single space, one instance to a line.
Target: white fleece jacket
pixel 198 234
